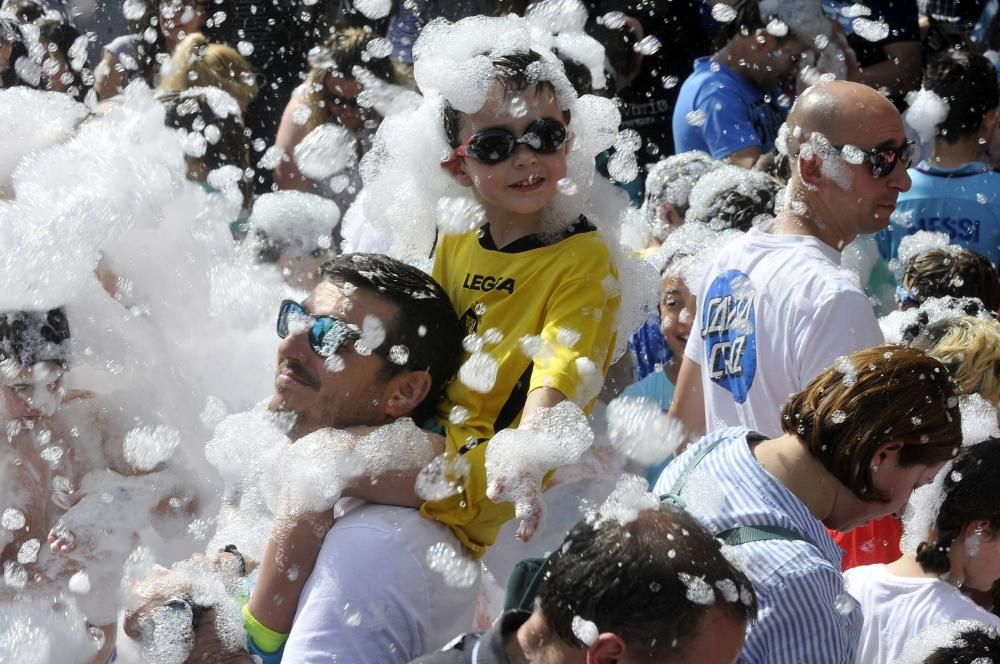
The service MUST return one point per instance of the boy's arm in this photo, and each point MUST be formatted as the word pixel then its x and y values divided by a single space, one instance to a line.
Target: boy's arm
pixel 542 397
pixel 395 487
pixel 288 561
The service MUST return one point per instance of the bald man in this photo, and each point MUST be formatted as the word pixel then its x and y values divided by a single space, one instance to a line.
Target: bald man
pixel 775 308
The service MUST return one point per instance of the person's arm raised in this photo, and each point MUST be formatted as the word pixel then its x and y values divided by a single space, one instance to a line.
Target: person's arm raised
pixel 689 400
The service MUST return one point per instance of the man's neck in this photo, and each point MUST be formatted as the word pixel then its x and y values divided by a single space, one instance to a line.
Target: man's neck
pixel 790 222
pixel 507 228
pixel 953 155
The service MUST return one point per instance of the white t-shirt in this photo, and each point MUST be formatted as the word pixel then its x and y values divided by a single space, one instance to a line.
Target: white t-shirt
pixel 897 608
pixel 773 312
pixel 372 597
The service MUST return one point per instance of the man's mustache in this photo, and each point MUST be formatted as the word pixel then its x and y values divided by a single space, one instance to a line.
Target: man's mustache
pixel 296 369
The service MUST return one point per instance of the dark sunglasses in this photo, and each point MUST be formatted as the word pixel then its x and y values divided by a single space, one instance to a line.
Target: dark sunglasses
pixel 326 333
pixel 882 162
pixel 491 146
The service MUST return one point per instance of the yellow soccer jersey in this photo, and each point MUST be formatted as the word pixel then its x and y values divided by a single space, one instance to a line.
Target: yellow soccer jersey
pixel 544 316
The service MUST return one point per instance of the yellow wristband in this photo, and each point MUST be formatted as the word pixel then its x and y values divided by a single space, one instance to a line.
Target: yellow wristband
pixel 264 638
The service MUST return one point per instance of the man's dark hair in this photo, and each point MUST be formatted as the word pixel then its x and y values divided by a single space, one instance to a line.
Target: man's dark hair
pixel 27 337
pixel 952 271
pixel 967 81
pixel 970 646
pixel 426 325
pixel 638 581
pixel 747 21
pixel 511 72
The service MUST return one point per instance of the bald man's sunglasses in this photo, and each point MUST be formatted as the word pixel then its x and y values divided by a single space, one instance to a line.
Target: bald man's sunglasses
pixel 882 162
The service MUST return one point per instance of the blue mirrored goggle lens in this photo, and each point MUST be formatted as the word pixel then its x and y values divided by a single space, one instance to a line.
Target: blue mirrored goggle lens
pixel 326 334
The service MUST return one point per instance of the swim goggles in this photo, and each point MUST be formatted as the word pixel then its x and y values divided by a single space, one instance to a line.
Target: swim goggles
pixel 326 333
pixel 491 146
pixel 883 161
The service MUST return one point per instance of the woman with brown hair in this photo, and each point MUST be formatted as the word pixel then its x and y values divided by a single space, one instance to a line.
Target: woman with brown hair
pixel 857 441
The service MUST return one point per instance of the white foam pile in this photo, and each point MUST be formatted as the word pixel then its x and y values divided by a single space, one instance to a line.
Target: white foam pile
pixel 559 26
pixel 299 222
pixel 630 496
pixel 704 199
pixel 918 649
pixel 688 251
pixel 916 244
pixel 642 431
pixel 517 460
pixel 899 326
pixel 671 180
pixel 325 151
pixel 184 336
pixel 926 110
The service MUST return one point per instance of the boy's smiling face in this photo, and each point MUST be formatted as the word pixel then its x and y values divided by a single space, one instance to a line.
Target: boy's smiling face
pixel 527 181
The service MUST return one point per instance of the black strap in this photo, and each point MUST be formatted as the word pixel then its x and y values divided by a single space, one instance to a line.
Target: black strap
pixel 747 534
pixel 674 496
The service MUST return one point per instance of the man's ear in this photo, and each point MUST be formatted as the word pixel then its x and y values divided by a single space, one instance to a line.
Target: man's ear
pixel 608 649
pixel 456 167
pixel 811 169
pixel 405 392
pixel 886 452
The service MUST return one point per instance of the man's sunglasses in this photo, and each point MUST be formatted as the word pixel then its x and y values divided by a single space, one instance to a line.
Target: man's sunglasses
pixel 326 333
pixel 882 162
pixel 491 146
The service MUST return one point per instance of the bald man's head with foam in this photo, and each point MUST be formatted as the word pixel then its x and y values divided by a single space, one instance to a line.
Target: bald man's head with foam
pixel 828 136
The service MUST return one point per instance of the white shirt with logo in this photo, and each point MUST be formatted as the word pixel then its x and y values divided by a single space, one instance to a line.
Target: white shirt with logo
pixel 773 312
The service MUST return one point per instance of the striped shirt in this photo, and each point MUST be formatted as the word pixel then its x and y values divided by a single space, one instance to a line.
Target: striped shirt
pixel 805 615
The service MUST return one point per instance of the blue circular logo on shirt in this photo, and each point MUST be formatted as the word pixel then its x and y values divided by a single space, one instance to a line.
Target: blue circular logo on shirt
pixel 728 327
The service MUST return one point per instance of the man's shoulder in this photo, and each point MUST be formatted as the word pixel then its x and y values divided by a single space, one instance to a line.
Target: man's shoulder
pixel 718 82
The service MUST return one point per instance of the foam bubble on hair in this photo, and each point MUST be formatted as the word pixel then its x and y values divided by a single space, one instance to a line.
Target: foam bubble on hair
pixel 719 181
pixel 925 112
pixel 558 25
pixel 922 510
pixel 630 496
pixel 294 219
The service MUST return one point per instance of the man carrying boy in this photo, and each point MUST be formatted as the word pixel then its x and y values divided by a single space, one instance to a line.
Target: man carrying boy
pixel 537 295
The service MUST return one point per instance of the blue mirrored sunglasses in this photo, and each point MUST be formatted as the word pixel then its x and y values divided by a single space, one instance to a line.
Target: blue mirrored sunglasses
pixel 326 333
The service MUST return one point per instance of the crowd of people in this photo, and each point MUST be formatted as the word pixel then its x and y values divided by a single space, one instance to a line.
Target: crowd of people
pixel 607 331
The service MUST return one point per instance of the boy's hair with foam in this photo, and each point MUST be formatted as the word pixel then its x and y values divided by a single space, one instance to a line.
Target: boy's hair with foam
pixel 511 72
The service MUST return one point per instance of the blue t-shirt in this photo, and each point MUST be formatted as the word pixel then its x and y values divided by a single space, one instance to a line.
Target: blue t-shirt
pixel 720 113
pixel 649 348
pixel 961 202
pixel 655 387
